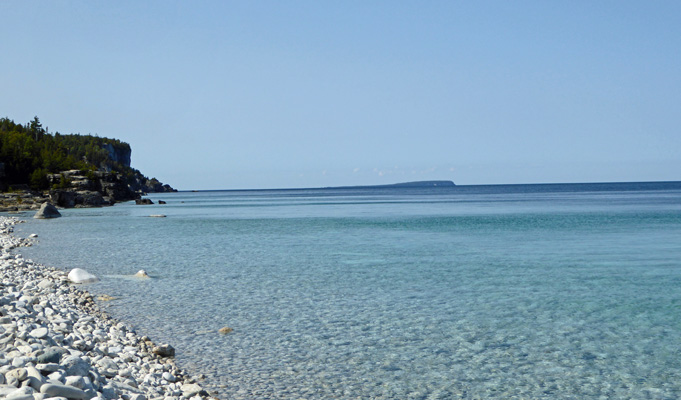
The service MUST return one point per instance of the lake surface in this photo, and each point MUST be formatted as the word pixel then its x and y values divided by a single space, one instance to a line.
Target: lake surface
pixel 489 292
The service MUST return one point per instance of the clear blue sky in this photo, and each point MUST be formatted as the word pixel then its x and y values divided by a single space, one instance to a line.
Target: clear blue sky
pixel 275 94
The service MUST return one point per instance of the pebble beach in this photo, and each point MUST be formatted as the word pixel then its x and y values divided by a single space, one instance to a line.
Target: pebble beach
pixel 55 342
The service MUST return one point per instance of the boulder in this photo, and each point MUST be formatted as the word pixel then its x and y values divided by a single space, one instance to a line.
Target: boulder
pixel 78 275
pixel 47 210
pixel 143 201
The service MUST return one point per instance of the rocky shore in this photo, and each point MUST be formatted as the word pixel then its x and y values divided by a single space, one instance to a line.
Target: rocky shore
pixel 55 342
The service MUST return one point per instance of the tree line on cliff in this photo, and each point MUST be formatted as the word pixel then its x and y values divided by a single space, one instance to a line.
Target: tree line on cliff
pixel 28 153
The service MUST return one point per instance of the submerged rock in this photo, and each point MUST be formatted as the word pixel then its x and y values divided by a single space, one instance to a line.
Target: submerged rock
pixel 141 274
pixel 47 210
pixel 164 350
pixel 78 275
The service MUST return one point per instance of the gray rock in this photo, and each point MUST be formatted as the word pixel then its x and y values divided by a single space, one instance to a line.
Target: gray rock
pixel 12 381
pixel 164 350
pixel 55 377
pixel 46 283
pixel 75 381
pixel 51 355
pixel 75 365
pixel 69 392
pixel 107 363
pixel 122 387
pixel 47 210
pixel 35 379
pixel 21 394
pixel 6 389
pixel 168 376
pixel 47 368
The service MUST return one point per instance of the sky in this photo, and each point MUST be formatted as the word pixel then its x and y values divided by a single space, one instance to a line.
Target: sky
pixel 288 94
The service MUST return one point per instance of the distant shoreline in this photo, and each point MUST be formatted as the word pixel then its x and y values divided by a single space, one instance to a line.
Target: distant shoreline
pixel 406 185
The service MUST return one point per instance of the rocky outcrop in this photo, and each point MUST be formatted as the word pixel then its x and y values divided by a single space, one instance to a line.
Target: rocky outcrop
pixel 145 185
pixel 89 189
pixel 21 201
pixel 47 210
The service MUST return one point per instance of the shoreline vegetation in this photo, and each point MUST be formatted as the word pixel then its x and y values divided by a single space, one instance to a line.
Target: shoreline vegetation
pixel 73 170
pixel 56 342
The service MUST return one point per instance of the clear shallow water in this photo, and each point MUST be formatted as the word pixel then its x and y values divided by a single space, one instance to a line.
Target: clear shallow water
pixel 528 291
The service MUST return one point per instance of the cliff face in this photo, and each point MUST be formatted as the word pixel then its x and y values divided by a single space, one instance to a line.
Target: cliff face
pixel 119 153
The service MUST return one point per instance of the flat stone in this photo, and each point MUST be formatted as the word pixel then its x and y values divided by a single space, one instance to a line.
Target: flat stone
pixel 20 394
pixel 45 283
pixel 49 367
pixel 190 389
pixel 39 333
pixel 69 392
pixel 5 390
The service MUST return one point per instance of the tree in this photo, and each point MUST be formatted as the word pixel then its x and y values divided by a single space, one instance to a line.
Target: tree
pixel 36 128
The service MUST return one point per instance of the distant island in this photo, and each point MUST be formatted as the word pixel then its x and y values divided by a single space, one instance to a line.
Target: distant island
pixel 415 184
pixel 37 166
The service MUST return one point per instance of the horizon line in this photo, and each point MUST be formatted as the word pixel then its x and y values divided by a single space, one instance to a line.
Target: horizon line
pixel 393 185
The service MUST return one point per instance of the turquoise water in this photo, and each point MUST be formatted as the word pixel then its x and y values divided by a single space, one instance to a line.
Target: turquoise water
pixel 490 292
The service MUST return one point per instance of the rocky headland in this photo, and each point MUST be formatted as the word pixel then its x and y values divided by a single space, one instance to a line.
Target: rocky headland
pixel 67 170
pixel 55 342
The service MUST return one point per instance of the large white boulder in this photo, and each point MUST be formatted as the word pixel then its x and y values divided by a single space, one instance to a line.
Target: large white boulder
pixel 141 274
pixel 79 275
